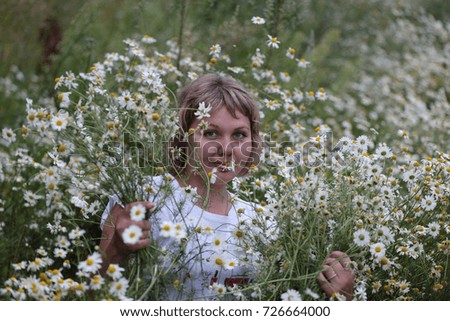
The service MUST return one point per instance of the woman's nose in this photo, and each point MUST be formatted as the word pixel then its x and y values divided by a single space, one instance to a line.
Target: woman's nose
pixel 225 147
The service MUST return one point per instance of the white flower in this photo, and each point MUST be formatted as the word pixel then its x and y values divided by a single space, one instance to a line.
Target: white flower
pixel 361 237
pixel 378 250
pixel 215 50
pixel 59 122
pixel 230 263
pixel 76 233
pixel 59 252
pixel 167 229
pixel 115 271
pixel 213 176
pixel 433 229
pixel 119 287
pixel 64 100
pixel 291 295
pixel 8 135
pixel 31 198
pixel 258 20
pixel 132 234
pixel 290 53
pixel 273 42
pixel 428 203
pixel 148 40
pixel 137 212
pixel 92 263
pixel 302 63
pixel 383 152
pixel 218 289
pixel 202 111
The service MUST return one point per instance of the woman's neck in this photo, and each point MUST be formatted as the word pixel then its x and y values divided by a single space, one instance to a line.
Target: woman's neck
pixel 214 198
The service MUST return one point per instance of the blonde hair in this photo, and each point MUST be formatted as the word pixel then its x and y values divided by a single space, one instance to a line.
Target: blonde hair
pixel 218 91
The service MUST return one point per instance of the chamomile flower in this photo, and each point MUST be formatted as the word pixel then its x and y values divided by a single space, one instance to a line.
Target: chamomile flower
pixel 383 152
pixel 76 233
pixel 202 111
pixel 258 20
pixel 166 229
pixel 218 289
pixel 132 234
pixel 428 203
pixel 119 287
pixel 8 136
pixel 230 263
pixel 290 53
pixel 378 250
pixel 115 271
pixel 361 237
pixel 92 264
pixel 60 253
pixel 215 50
pixel 213 176
pixel 273 42
pixel 64 99
pixel 302 63
pixel 291 295
pixel 433 229
pixel 137 212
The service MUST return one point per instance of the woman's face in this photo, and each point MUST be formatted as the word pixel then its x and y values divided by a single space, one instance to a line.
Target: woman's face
pixel 223 143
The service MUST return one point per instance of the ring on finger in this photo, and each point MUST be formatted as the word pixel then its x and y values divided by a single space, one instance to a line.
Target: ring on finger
pixel 332 276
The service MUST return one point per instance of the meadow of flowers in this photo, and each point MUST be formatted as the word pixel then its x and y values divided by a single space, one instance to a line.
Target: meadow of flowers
pixel 365 170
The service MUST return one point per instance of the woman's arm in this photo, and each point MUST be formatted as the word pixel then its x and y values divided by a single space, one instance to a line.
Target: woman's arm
pixel 112 246
pixel 337 276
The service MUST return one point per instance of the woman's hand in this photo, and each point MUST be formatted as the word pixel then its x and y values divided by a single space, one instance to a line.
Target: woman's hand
pixel 337 277
pixel 112 245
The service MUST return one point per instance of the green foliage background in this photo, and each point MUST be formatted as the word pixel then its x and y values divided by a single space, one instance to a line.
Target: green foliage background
pixel 328 33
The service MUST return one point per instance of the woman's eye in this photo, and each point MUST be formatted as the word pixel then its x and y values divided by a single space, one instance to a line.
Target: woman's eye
pixel 209 133
pixel 240 135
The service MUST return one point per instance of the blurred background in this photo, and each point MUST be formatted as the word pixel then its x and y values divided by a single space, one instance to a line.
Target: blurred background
pixel 41 39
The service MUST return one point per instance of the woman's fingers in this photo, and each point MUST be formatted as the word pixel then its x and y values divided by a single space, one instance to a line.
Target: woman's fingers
pixel 148 205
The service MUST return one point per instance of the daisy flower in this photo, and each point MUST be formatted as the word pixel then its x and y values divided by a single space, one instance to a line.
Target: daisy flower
pixel 378 250
pixel 230 263
pixel 64 100
pixel 361 237
pixel 132 234
pixel 119 287
pixel 76 233
pixel 96 282
pixel 290 53
pixel 8 135
pixel 115 271
pixel 428 203
pixel 302 63
pixel 218 240
pixel 202 111
pixel 383 152
pixel 137 212
pixel 258 20
pixel 59 252
pixel 433 229
pixel 215 50
pixel 213 176
pixel 218 289
pixel 273 42
pixel 291 295
pixel 321 95
pixel 166 229
pixel 92 264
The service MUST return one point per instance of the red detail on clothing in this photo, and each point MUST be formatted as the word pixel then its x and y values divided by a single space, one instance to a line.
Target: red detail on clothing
pixel 229 282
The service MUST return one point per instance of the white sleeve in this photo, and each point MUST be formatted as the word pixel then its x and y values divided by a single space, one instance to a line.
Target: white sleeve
pixel 113 200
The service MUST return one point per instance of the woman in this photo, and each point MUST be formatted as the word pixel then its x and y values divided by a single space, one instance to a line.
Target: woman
pixel 220 122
